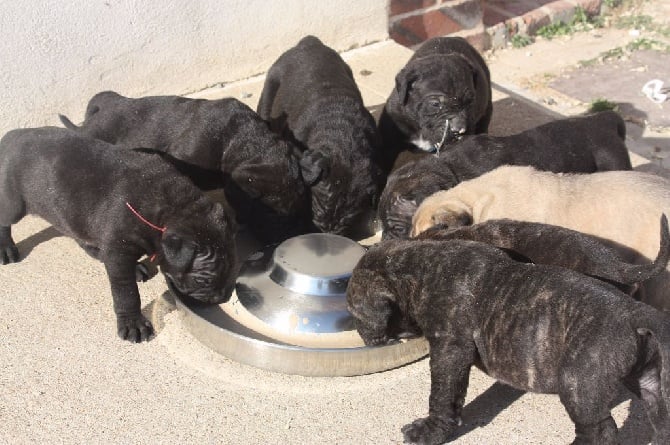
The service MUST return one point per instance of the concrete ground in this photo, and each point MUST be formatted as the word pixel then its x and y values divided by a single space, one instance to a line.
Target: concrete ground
pixel 66 378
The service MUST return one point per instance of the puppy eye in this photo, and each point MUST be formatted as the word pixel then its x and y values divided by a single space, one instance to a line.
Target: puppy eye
pixel 435 103
pixel 203 281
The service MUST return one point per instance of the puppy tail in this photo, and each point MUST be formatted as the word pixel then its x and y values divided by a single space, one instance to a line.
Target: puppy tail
pixel 67 122
pixel 640 273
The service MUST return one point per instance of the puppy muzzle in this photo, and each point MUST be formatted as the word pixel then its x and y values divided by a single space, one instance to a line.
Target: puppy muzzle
pixel 202 295
pixel 453 130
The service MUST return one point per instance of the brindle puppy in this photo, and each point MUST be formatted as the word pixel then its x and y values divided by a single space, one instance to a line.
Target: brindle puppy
pixel 558 246
pixel 442 93
pixel 260 170
pixel 537 328
pixel 310 96
pixel 119 205
pixel 580 144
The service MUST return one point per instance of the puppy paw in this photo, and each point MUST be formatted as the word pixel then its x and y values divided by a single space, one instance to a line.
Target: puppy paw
pixel 144 271
pixel 9 254
pixel 428 431
pixel 134 328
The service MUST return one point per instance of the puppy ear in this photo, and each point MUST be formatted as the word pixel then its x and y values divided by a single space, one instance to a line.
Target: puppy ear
pixel 222 211
pixel 255 179
pixel 178 252
pixel 314 166
pixel 404 81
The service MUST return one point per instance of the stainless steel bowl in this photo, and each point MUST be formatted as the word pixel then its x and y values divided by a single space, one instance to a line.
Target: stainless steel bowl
pixel 300 286
pixel 288 313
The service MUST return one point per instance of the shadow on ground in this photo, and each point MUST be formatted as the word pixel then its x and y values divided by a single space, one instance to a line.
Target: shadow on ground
pixel 27 245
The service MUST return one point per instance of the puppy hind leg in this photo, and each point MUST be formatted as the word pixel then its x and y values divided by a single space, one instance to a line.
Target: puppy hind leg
pixel 587 402
pixel 602 433
pixel 9 253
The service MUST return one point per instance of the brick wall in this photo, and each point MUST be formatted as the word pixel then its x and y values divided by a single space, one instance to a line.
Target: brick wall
pixel 484 23
pixel 413 21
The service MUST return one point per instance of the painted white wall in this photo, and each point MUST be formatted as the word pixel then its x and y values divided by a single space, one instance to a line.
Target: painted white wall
pixel 56 54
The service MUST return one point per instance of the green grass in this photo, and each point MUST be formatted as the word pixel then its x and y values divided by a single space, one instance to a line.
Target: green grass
pixel 614 53
pixel 645 43
pixel 602 105
pixel 519 40
pixel 641 22
pixel 641 43
pixel 633 22
pixel 579 22
pixel 612 3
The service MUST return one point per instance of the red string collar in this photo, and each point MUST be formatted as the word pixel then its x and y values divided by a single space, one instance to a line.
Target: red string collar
pixel 148 223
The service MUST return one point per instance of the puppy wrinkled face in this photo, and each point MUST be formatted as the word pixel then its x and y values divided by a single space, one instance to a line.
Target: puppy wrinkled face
pixel 443 105
pixel 200 262
pixel 405 190
pixel 338 199
pixel 370 317
pixel 397 218
pixel 373 333
pixel 377 317
pixel 334 208
pixel 443 119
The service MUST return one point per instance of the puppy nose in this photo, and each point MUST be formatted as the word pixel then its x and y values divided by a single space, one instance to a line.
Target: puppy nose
pixel 457 125
pixel 456 128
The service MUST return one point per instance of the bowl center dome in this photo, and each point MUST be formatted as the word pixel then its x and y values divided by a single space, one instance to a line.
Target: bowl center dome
pixel 315 263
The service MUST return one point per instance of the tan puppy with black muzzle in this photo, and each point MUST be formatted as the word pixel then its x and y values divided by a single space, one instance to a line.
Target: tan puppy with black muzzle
pixel 621 206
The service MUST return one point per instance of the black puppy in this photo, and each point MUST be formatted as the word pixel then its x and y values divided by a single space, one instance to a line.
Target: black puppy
pixel 582 144
pixel 311 97
pixel 558 246
pixel 442 93
pixel 538 328
pixel 119 205
pixel 260 170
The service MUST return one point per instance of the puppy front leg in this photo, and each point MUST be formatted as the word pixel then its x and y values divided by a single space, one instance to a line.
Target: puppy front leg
pixel 450 361
pixel 9 253
pixel 131 324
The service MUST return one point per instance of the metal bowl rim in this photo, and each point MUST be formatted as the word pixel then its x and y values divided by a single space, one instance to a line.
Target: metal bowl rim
pixel 183 306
